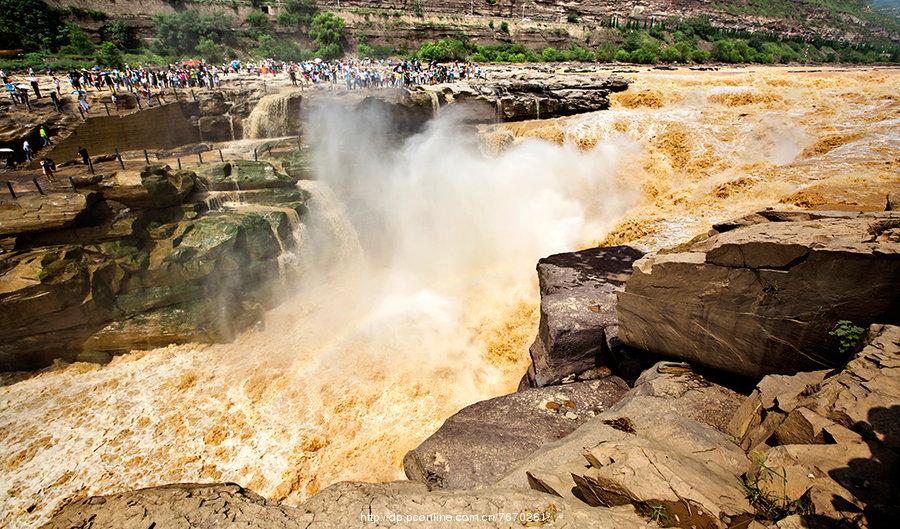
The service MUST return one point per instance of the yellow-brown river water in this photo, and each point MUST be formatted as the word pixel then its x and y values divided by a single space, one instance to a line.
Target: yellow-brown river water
pixel 359 367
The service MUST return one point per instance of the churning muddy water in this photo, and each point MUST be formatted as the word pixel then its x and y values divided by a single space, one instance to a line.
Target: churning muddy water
pixel 418 294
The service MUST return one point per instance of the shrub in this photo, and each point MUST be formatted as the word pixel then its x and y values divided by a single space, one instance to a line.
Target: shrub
pixel 848 336
pixel 77 40
pixel 108 55
pixel 210 51
pixel 504 27
pixel 180 33
pixel 259 21
pixel 444 50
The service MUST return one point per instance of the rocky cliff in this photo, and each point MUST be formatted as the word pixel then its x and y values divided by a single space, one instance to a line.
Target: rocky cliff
pixel 415 21
pixel 685 445
pixel 139 259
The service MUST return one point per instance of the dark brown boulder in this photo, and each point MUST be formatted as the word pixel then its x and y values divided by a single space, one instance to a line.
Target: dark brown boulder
pixel 578 303
pixel 484 441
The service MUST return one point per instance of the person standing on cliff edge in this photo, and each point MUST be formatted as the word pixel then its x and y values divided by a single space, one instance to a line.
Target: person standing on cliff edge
pixel 84 156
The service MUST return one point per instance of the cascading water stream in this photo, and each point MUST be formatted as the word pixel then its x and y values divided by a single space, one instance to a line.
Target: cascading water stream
pixel 418 293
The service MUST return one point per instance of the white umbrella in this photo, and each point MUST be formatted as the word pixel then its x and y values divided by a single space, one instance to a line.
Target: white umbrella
pixel 25 86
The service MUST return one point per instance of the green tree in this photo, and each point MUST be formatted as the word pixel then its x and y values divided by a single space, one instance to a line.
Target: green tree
pixel 118 33
pixel 77 41
pixel 211 52
pixel 108 55
pixel 327 31
pixel 31 25
pixel 180 33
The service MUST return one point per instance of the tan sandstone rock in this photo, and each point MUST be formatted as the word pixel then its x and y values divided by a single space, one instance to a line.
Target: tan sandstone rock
pixel 761 298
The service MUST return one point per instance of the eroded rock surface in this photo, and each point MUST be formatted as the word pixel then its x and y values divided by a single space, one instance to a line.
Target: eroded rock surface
pixel 763 296
pixel 829 440
pixel 661 441
pixel 340 506
pixel 483 442
pixel 138 259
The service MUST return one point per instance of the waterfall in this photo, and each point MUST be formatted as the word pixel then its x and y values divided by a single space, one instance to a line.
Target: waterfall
pixel 274 116
pixel 537 108
pixel 435 103
pixel 331 218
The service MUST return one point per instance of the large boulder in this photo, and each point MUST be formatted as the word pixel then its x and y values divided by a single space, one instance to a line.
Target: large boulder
pixel 764 296
pixel 662 441
pixel 578 304
pixel 481 443
pixel 341 506
pixel 242 175
pixel 166 188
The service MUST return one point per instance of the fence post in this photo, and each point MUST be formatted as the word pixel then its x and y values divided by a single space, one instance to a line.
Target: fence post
pixel 221 157
pixel 11 192
pixel 146 157
pixel 37 185
pixel 255 157
pixel 72 183
pixel 200 157
pixel 106 107
pixel 179 163
pixel 91 164
pixel 193 95
pixel 119 157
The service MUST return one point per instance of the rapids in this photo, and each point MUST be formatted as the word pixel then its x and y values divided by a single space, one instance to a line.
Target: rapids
pixel 418 294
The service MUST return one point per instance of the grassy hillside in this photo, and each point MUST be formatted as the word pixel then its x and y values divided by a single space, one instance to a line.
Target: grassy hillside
pixel 72 36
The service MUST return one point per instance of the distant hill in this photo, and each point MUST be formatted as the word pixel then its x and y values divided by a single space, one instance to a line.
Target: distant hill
pixel 848 20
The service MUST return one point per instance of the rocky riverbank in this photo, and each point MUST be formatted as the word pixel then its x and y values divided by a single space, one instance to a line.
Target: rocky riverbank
pixel 138 259
pixel 804 436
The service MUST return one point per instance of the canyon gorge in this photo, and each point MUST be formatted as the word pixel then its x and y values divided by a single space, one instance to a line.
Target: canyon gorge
pixel 336 294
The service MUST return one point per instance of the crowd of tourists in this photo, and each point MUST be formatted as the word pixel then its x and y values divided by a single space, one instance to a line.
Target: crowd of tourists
pixel 147 82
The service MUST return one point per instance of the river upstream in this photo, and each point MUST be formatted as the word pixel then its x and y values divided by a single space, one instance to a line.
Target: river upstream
pixel 426 300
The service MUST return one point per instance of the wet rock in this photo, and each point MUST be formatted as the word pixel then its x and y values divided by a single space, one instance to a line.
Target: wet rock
pixel 140 280
pixel 213 104
pixel 578 303
pixel 165 187
pixel 215 128
pixel 762 298
pixel 41 213
pixel 483 442
pixel 242 175
pixel 510 99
